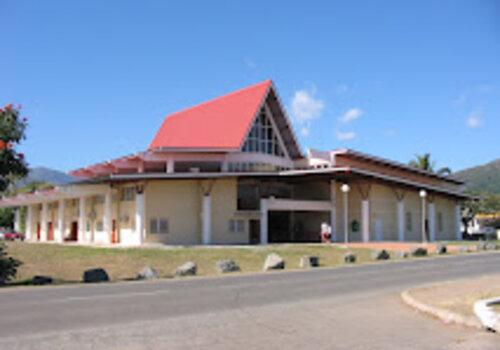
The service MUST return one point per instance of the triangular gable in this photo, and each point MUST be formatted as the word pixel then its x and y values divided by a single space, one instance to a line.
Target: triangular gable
pixel 271 132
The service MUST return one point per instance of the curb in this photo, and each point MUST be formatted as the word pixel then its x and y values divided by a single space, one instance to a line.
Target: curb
pixel 444 315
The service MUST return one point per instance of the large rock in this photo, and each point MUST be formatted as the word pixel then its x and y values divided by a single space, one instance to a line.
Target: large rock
pixel 274 262
pixel 419 251
pixel 187 269
pixel 41 280
pixel 441 249
pixel 309 261
pixel 95 275
pixel 464 249
pixel 401 254
pixel 481 246
pixel 381 255
pixel 350 258
pixel 224 266
pixel 491 246
pixel 148 273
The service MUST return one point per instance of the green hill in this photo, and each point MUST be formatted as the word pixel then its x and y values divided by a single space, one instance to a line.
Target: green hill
pixel 482 178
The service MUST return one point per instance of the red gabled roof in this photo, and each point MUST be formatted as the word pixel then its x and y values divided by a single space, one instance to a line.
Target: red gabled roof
pixel 221 123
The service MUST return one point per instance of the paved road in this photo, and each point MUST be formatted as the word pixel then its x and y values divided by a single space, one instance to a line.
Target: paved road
pixel 355 307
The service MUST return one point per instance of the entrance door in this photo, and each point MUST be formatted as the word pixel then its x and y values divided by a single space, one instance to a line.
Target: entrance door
pixel 279 226
pixel 114 232
pixel 73 235
pixel 50 231
pixel 254 231
pixel 38 231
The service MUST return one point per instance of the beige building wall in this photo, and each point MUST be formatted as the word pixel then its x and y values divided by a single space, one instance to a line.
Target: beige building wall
pixel 383 213
pixel 413 206
pixel 224 208
pixel 445 207
pixel 178 201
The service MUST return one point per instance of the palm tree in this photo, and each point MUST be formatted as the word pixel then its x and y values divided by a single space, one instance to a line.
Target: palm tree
pixel 424 162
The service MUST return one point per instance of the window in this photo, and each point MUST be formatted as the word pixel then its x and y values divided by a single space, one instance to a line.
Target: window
pixel 158 225
pixel 99 226
pixel 127 194
pixel 440 222
pixel 237 225
pixel 409 226
pixel 262 138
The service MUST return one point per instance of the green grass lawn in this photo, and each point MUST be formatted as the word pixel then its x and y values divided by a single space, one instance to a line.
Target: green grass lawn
pixel 67 263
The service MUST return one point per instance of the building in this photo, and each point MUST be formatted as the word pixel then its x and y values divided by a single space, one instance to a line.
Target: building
pixel 230 171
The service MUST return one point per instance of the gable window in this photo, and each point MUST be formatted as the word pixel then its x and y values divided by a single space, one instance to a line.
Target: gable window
pixel 409 226
pixel 158 225
pixel 237 225
pixel 262 138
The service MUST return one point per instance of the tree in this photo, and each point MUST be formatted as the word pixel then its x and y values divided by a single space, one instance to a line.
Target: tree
pixel 12 132
pixel 8 266
pixel 424 162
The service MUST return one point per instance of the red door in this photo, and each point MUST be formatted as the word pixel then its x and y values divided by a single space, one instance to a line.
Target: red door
pixel 38 231
pixel 50 231
pixel 114 232
pixel 74 231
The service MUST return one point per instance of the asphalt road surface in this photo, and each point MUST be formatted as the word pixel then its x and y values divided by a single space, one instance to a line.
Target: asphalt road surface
pixel 353 307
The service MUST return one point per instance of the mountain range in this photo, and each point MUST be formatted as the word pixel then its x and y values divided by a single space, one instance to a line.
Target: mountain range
pixel 482 178
pixel 47 175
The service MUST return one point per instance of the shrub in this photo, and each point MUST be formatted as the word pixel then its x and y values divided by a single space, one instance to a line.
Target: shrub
pixel 8 266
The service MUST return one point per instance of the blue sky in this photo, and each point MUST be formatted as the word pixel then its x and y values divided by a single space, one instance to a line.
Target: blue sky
pixel 391 78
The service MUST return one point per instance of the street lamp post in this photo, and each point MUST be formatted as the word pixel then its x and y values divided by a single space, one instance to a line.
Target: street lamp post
pixel 345 190
pixel 423 195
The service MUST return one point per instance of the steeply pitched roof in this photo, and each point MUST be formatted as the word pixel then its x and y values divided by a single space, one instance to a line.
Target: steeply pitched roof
pixel 221 123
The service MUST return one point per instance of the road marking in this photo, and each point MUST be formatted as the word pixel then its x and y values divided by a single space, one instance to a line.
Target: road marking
pixel 107 296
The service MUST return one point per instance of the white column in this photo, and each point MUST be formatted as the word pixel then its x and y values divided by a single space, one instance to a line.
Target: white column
pixel 206 219
pixel 432 221
pixel 106 219
pixel 263 221
pixel 43 222
pixel 59 236
pixel 82 220
pixel 29 223
pixel 458 222
pixel 139 217
pixel 365 219
pixel 401 220
pixel 333 212
pixel 170 165
pixel 17 219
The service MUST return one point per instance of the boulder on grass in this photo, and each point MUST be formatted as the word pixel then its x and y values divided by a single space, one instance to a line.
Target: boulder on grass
pixel 309 261
pixel 350 258
pixel 464 249
pixel 148 273
pixel 491 246
pixel 381 255
pixel 481 246
pixel 95 275
pixel 419 251
pixel 401 254
pixel 441 249
pixel 274 262
pixel 224 266
pixel 41 280
pixel 187 269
